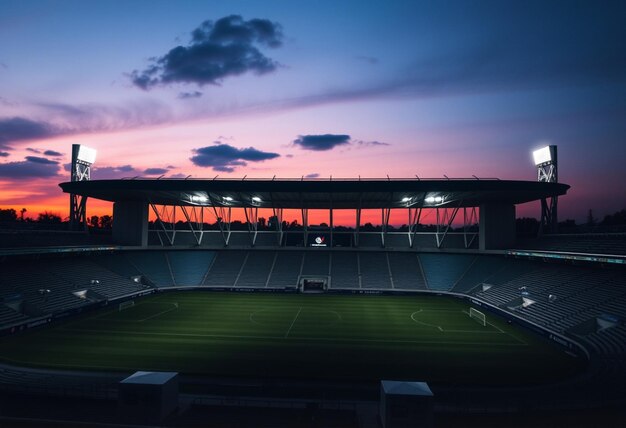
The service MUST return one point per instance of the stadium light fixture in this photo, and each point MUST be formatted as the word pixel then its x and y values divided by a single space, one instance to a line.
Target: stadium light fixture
pixel 434 199
pixel 256 199
pixel 86 154
pixel 406 199
pixel 199 198
pixel 543 155
pixel 227 199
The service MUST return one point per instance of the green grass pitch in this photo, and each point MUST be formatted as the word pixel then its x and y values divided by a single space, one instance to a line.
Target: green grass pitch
pixel 349 337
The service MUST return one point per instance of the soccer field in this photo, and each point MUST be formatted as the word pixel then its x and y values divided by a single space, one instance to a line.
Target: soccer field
pixel 364 337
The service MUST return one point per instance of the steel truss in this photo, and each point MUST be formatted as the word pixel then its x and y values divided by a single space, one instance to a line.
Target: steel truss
pixel 549 173
pixel 444 222
pixel 166 218
pixel 81 171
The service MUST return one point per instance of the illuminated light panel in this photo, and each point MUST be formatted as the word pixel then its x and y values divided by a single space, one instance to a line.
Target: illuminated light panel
pixel 228 198
pixel 434 199
pixel 199 198
pixel 542 155
pixel 406 199
pixel 256 199
pixel 86 154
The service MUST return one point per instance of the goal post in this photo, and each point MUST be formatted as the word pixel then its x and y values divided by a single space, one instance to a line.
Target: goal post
pixel 478 316
pixel 125 305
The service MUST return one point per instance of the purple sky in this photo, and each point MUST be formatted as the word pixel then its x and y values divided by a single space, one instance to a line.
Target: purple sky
pixel 319 88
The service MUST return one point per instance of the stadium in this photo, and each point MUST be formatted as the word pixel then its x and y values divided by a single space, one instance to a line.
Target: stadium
pixel 262 322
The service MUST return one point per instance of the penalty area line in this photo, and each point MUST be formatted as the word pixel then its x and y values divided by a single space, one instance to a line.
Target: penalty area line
pixel 158 314
pixel 523 342
pixel 293 322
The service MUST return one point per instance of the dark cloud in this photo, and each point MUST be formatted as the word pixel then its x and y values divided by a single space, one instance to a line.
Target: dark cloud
pixel 37 159
pixel 32 167
pixel 226 47
pixel 4 154
pixel 225 158
pixel 371 143
pixel 189 95
pixel 52 153
pixel 32 150
pixel 20 129
pixel 321 142
pixel 312 175
pixel 112 172
pixel 155 171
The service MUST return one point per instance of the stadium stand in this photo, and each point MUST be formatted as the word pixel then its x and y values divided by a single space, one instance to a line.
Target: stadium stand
pixel 85 274
pixel 286 269
pixel 154 265
pixel 443 272
pixel 225 268
pixel 481 268
pixel 10 316
pixel 316 263
pixel 374 270
pixel 189 267
pixel 406 271
pixel 256 269
pixel 345 270
pixel 598 243
pixel 117 263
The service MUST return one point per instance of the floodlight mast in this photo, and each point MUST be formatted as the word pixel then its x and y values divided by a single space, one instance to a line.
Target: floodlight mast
pixel 82 159
pixel 547 172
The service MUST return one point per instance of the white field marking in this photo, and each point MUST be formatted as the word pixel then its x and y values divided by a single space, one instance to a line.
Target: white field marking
pixel 447 330
pixel 337 314
pixel 293 322
pixel 424 323
pixel 175 307
pixel 309 339
pixel 501 331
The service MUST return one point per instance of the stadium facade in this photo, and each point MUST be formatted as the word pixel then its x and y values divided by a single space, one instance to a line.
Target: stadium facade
pixel 495 200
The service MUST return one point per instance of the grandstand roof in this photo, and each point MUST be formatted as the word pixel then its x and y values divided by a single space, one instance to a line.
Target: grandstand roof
pixel 318 194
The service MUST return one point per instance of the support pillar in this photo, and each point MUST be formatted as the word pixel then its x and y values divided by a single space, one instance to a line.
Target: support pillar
pixel 130 223
pixel 496 226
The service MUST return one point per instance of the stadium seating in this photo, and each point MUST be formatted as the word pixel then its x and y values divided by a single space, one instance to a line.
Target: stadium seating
pixel 406 271
pixel 9 316
pixel 345 270
pixel 316 263
pixel 442 272
pixel 614 243
pixel 189 267
pixel 154 265
pixel 225 268
pixel 256 269
pixel 286 269
pixel 375 270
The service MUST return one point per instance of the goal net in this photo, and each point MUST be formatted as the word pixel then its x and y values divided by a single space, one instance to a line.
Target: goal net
pixel 125 305
pixel 478 316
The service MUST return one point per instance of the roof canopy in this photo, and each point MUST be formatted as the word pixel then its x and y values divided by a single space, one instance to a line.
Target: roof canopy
pixel 318 194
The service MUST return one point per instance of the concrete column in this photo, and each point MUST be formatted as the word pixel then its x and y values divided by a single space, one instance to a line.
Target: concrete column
pixel 130 223
pixel 497 226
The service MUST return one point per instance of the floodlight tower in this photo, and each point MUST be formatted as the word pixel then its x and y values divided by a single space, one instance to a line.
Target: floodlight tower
pixel 82 159
pixel 547 171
